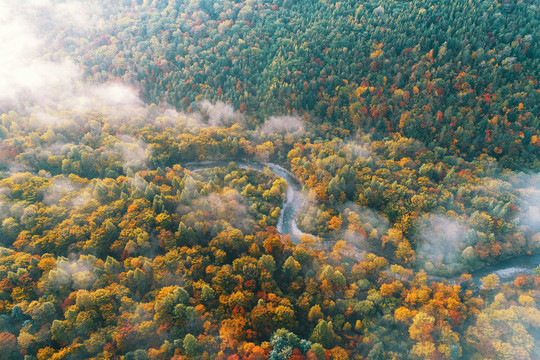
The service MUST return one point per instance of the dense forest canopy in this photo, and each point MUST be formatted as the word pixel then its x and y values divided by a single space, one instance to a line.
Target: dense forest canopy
pixel 411 126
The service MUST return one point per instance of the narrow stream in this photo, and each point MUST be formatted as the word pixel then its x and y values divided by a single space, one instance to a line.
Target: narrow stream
pixel 505 269
pixel 287 219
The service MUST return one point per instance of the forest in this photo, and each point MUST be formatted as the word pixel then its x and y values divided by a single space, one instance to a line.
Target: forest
pixel 131 227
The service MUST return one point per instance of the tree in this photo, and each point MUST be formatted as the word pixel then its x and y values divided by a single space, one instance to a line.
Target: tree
pixel 261 319
pixel 318 351
pixel 315 313
pixel 291 267
pixel 267 262
pixel 190 345
pixel 377 352
pixel 338 353
pixel 8 344
pixel 324 334
pixel 284 317
pixel 423 325
pixel 489 282
pixel 207 293
pixel 60 331
pixel 285 343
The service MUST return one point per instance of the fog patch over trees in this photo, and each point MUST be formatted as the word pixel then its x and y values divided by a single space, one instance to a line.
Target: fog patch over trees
pixel 283 125
pixel 441 240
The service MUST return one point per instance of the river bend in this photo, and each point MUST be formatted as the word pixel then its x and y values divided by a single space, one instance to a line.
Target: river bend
pixel 287 225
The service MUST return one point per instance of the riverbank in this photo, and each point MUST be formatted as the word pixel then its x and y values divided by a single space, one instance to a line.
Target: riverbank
pixel 506 270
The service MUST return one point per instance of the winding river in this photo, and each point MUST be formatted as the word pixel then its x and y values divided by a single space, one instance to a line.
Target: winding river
pixel 287 219
pixel 505 270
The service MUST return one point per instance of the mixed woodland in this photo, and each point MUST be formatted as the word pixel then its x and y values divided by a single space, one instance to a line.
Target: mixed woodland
pixel 411 125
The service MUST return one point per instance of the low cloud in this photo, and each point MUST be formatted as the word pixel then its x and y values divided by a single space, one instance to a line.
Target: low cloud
pixel 82 197
pixel 66 193
pixel 357 150
pixel 77 274
pixel 77 16
pixel 370 219
pixel 441 239
pixel 4 190
pixel 133 151
pixel 25 74
pixel 527 188
pixel 4 210
pixel 307 218
pixel 60 188
pixel 31 77
pixel 283 125
pixel 171 118
pixel 60 15
pixel 227 206
pixel 361 223
pixel 530 217
pixel 219 114
pixel 109 95
pixel 17 169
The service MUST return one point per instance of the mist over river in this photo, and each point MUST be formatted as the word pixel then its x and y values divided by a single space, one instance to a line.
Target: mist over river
pixel 505 270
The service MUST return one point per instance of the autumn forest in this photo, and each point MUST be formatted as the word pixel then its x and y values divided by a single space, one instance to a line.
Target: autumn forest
pixel 269 179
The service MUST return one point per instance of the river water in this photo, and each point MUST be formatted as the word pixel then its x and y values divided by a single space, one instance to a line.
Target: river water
pixel 505 270
pixel 287 219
